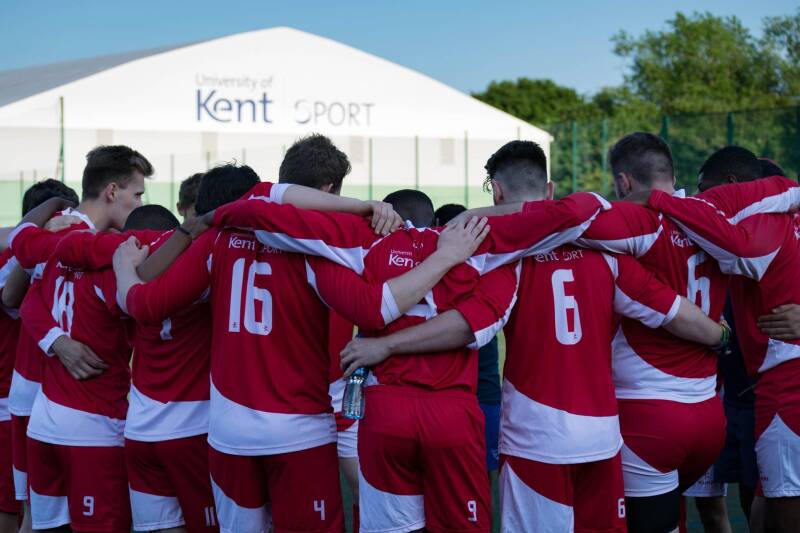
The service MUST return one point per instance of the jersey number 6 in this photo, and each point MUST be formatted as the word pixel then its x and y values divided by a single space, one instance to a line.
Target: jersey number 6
pixel 562 304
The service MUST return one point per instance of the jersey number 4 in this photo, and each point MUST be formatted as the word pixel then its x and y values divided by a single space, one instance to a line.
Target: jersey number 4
pixel 260 324
pixel 563 304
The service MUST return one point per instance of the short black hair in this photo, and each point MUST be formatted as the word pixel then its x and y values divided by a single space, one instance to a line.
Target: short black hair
pixel 153 216
pixel 448 212
pixel 412 205
pixel 730 161
pixel 645 157
pixel 770 168
pixel 314 161
pixel 224 184
pixel 520 165
pixel 111 164
pixel 44 190
pixel 187 194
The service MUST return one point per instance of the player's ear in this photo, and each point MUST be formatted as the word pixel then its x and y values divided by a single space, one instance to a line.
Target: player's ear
pixel 730 178
pixel 497 192
pixel 110 192
pixel 550 191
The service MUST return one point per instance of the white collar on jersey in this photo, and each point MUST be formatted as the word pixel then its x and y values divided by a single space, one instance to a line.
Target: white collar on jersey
pixel 75 213
pixel 680 193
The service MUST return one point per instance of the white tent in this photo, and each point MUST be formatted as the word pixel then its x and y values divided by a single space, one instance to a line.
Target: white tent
pixel 246 97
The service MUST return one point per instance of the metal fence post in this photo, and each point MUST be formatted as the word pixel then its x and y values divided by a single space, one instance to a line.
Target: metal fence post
pixel 604 154
pixel 61 134
pixel 574 156
pixel 369 177
pixel 21 187
pixel 466 170
pixel 416 162
pixel 171 181
pixel 665 128
pixel 729 136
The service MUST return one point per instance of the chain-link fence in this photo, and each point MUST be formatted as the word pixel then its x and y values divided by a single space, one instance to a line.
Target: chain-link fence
pixel 449 170
pixel 580 149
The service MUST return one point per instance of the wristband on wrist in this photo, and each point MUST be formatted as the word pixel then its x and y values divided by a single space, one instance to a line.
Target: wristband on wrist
pixel 184 231
pixel 724 340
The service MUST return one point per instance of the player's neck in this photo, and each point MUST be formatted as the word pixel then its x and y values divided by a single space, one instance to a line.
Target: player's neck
pixel 522 198
pixel 667 187
pixel 96 213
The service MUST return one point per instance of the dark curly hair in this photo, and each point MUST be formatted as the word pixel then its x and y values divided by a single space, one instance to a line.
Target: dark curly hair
pixel 314 161
pixel 521 165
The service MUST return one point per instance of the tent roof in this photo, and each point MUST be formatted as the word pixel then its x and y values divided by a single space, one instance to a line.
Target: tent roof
pixel 20 83
pixel 305 79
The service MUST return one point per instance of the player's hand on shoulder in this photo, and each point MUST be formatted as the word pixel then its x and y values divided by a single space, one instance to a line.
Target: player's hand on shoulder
pixel 363 351
pixel 130 252
pixel 59 223
pixel 384 219
pixel 457 243
pixel 79 360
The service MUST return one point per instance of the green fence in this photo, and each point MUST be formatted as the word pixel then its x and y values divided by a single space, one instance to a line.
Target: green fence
pixel 578 153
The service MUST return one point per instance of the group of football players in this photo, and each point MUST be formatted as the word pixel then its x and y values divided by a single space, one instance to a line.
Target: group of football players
pixel 159 375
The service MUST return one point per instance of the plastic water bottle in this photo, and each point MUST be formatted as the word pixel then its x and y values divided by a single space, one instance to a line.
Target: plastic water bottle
pixel 353 400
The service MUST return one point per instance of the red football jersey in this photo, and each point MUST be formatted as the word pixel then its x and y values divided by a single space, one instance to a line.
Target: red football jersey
pixel 9 334
pixel 170 370
pixel 74 412
pixel 485 303
pixel 740 227
pixel 654 364
pixel 32 250
pixel 559 404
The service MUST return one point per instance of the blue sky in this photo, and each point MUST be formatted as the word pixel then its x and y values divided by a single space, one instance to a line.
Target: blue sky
pixel 464 43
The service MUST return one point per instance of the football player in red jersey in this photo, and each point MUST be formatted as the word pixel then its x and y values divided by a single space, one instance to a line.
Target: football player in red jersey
pixel 78 476
pixel 36 195
pixel 661 381
pixel 740 225
pixel 112 187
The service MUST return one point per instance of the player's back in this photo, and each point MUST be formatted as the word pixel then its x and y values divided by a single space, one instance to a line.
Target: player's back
pixel 90 411
pixel 395 255
pixel 270 362
pixel 654 363
pixel 557 374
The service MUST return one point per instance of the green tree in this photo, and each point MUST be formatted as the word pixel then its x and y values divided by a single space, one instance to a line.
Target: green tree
pixel 782 37
pixel 537 101
pixel 702 63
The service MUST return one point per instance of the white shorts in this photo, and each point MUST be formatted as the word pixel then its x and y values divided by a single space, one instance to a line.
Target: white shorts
pixel 347 442
pixel 706 487
pixel 778 455
pixel 643 479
